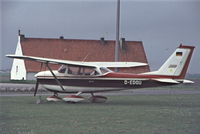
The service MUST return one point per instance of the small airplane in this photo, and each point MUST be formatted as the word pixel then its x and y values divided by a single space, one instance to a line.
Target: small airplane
pixel 91 77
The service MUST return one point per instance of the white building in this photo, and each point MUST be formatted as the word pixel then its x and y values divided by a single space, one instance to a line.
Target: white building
pixel 18 70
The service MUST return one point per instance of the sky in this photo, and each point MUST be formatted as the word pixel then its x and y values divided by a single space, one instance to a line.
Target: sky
pixel 160 24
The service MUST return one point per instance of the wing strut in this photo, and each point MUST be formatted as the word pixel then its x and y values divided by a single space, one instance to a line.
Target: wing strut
pixel 58 82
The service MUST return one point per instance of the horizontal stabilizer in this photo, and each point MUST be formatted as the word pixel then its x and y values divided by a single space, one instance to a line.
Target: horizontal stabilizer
pixel 167 81
pixel 188 81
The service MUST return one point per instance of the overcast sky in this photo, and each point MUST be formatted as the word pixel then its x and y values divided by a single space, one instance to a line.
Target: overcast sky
pixel 161 25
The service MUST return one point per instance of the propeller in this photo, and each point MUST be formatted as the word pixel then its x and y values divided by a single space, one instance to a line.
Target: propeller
pixel 36 87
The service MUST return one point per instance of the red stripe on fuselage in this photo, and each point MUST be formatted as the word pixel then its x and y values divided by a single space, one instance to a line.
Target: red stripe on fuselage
pixel 129 75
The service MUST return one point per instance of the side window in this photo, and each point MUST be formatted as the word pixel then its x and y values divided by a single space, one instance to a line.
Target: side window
pixel 94 73
pixel 62 69
pixel 69 71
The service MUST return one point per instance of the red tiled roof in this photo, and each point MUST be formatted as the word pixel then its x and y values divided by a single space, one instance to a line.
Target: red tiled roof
pixel 81 50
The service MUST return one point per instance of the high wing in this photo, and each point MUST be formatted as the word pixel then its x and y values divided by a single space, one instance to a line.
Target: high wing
pixel 79 63
pixel 117 64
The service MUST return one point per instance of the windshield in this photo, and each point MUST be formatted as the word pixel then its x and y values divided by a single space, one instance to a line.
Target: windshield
pixel 104 70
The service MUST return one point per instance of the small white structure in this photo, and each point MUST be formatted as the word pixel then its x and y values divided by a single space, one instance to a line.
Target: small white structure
pixel 18 70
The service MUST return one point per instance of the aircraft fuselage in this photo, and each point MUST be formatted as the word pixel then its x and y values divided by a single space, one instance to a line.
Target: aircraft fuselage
pixel 96 84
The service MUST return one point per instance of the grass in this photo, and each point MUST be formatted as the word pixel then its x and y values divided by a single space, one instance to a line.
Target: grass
pixel 138 114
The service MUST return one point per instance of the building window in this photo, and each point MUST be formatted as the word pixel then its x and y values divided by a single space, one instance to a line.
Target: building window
pixel 16 69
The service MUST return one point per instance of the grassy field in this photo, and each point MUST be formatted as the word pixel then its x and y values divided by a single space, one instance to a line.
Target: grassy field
pixel 138 114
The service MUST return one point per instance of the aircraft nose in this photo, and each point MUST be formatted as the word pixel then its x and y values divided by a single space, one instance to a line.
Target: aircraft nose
pixel 44 73
pixel 39 74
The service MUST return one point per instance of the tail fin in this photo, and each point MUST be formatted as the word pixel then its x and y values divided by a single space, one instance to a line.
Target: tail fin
pixel 177 64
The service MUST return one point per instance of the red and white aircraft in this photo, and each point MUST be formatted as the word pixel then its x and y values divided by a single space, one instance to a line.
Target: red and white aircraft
pixel 91 77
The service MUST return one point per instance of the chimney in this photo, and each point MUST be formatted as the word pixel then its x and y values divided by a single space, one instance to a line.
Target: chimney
pixel 61 37
pixel 123 43
pixel 22 36
pixel 19 32
pixel 102 41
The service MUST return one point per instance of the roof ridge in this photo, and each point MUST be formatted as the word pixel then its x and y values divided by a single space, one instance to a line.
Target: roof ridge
pixel 70 39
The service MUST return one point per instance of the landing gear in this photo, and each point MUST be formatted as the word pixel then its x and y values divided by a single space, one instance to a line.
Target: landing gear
pixel 77 98
pixel 73 98
pixel 54 98
pixel 97 98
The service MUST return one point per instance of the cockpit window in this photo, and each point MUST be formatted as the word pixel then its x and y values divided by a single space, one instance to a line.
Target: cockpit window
pixel 85 71
pixel 104 70
pixel 94 73
pixel 62 69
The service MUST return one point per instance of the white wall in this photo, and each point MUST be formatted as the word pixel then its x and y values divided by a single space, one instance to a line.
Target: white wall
pixel 18 70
